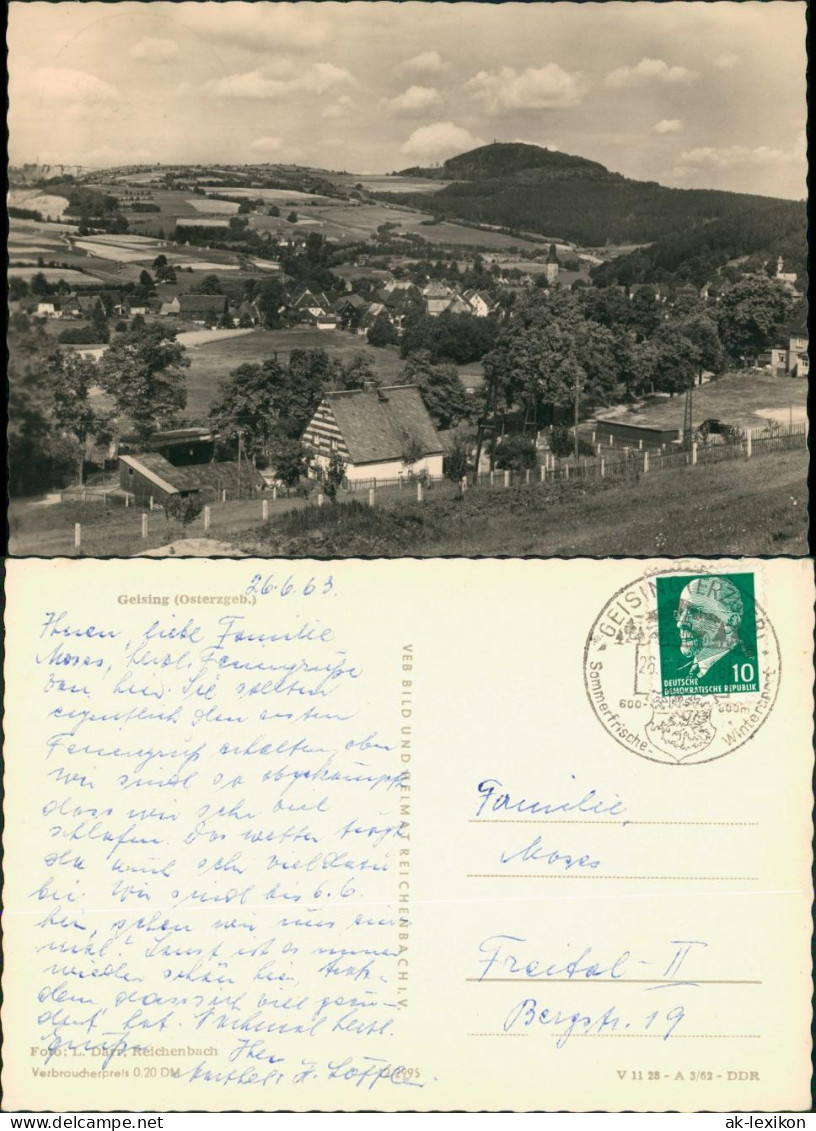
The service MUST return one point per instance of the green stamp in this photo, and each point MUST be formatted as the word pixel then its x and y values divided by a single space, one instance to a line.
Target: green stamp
pixel 707 634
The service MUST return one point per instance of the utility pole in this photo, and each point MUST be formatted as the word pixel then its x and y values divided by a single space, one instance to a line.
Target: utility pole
pixel 240 440
pixel 577 405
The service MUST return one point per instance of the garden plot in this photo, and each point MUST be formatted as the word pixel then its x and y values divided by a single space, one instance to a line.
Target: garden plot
pixel 204 204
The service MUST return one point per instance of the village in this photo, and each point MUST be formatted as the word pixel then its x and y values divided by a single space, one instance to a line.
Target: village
pixel 323 344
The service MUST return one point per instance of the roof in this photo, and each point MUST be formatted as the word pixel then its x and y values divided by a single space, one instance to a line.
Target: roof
pixel 377 425
pixel 206 304
pixel 194 477
pixel 181 436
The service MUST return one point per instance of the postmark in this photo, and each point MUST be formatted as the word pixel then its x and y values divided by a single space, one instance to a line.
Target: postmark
pixel 682 665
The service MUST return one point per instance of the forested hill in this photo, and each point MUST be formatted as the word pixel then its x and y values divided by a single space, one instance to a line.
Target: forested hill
pixel 514 159
pixel 526 188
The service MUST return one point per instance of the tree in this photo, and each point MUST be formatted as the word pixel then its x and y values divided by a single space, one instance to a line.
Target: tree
pixel 752 315
pixel 273 210
pixel 146 280
pixel 458 458
pixel 516 453
pixel 439 386
pixel 292 218
pixel 39 285
pixel 17 289
pixel 270 297
pixel 291 460
pixel 677 359
pixel 143 371
pixel 99 323
pixel 382 332
pixel 244 208
pixel 332 475
pixel 209 285
pixel 159 261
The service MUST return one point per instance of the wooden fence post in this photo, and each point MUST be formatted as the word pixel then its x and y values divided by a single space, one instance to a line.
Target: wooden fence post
pixel 464 484
pixel 77 537
pixel 151 502
pixel 320 498
pixel 491 478
pixel 265 510
pixel 603 468
pixel 275 491
pixel 645 461
pixel 206 518
pixel 144 524
pixel 542 472
pixel 371 496
pixel 566 471
pixel 748 439
pixel 527 476
pixel 693 453
pixel 419 492
pixel 224 495
pixel 593 437
pixel 127 499
pixel 507 478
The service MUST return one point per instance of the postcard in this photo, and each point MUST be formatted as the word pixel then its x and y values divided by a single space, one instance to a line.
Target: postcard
pixel 495 278
pixel 408 835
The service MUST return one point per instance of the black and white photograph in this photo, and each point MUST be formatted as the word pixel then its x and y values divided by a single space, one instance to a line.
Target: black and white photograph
pixel 371 279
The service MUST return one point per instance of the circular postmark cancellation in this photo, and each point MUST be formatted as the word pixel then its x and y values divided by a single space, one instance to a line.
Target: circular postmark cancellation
pixel 682 665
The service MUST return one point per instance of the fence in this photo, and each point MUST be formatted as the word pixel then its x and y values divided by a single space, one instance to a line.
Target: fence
pixel 102 533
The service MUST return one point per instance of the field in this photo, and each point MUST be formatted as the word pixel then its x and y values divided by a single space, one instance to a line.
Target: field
pixel 47 204
pixel 753 507
pixel 736 398
pixel 211 362
pixel 54 274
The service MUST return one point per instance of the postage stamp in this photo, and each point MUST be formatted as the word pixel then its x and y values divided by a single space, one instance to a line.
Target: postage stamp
pixel 707 636
pixel 682 665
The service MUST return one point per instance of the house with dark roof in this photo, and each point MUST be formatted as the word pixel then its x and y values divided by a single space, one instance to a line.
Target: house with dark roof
pixel 182 462
pixel 379 433
pixel 202 308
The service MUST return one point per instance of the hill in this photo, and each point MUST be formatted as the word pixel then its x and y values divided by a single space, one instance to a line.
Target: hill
pixel 525 187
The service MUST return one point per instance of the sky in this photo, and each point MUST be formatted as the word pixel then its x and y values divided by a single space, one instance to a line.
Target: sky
pixel 704 95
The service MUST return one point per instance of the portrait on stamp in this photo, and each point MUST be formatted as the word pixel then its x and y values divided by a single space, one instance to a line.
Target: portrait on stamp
pixel 707 634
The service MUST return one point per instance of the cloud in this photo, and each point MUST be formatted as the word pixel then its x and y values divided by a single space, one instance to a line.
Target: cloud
pixel 649 70
pixel 61 84
pixel 154 50
pixel 668 126
pixel 318 78
pixel 257 27
pixel 414 100
pixel 266 145
pixel 726 62
pixel 739 156
pixel 535 88
pixel 442 139
pixel 340 108
pixel 427 63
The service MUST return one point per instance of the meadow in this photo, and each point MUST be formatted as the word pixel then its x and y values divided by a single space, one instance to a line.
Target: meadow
pixel 212 362
pixel 747 400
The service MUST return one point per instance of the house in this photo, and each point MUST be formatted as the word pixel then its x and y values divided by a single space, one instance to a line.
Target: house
pixel 797 360
pixel 134 306
pixel 480 303
pixel 686 291
pixel 785 277
pixel 247 312
pixel 48 308
pixel 551 270
pixel 327 322
pixel 310 304
pixel 202 308
pixel 171 309
pixel 381 433
pixel 87 305
pixel 70 306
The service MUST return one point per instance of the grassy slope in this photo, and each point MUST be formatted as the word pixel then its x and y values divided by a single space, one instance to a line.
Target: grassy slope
pixel 757 507
pixel 210 363
pixel 734 398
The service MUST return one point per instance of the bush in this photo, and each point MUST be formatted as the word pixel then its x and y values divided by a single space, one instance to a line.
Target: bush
pixel 80 336
pixel 183 508
pixel 562 443
pixel 516 453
